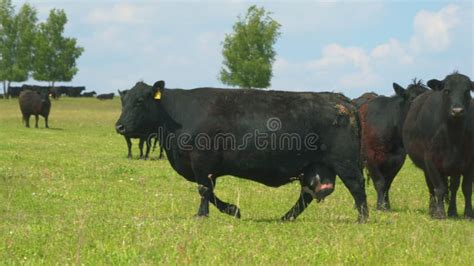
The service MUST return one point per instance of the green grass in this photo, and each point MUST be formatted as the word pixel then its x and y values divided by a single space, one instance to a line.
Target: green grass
pixel 69 195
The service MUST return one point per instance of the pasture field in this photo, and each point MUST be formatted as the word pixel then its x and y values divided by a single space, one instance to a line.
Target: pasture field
pixel 68 195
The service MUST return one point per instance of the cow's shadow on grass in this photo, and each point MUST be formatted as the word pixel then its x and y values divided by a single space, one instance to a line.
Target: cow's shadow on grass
pixel 55 128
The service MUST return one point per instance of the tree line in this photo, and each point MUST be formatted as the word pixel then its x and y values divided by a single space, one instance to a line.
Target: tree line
pixel 32 49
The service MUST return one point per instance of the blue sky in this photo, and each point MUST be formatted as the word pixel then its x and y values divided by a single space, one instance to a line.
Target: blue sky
pixel 344 46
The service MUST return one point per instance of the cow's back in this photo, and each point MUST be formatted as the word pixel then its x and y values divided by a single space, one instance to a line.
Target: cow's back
pixel 329 117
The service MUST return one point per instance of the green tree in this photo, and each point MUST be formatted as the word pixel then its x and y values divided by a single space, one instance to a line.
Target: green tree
pixel 248 52
pixel 17 34
pixel 55 55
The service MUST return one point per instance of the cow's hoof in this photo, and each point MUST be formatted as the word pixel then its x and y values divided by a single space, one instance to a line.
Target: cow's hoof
pixel 383 207
pixel 288 218
pixel 233 210
pixel 362 219
pixel 469 215
pixel 200 216
pixel 439 215
pixel 452 213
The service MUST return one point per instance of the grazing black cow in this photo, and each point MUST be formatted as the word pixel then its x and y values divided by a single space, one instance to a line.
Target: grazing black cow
pixel 382 120
pixel 438 136
pixel 144 138
pixel 34 103
pixel 363 99
pixel 88 94
pixel 252 134
pixel 105 96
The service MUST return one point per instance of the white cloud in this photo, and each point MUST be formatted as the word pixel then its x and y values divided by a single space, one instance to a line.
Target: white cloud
pixel 357 69
pixel 123 13
pixel 336 56
pixel 393 50
pixel 432 29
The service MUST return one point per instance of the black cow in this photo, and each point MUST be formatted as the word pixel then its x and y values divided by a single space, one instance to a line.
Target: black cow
pixel 71 91
pixel 143 138
pixel 34 103
pixel 208 133
pixel 382 146
pixel 88 94
pixel 363 99
pixel 14 92
pixel 438 137
pixel 105 96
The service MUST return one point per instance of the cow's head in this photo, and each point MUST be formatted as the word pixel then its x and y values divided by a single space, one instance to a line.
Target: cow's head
pixel 141 109
pixel 409 94
pixel 456 89
pixel 44 95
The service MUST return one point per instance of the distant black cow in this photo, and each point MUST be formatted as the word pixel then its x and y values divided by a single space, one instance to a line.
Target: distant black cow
pixel 364 98
pixel 71 91
pixel 34 103
pixel 144 138
pixel 105 96
pixel 208 133
pixel 438 137
pixel 88 94
pixel 382 146
pixel 14 92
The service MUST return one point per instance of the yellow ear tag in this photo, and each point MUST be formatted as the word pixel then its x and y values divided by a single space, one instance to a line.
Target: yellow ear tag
pixel 158 95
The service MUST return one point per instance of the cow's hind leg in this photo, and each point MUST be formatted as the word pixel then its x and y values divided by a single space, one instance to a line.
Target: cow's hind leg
pixel 454 182
pixel 393 167
pixel 317 182
pixel 353 179
pixel 379 183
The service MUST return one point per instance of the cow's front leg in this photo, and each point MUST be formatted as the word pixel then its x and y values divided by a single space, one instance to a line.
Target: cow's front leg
pixel 454 182
pixel 440 188
pixel 140 146
pixel 129 147
pixel 467 191
pixel 206 191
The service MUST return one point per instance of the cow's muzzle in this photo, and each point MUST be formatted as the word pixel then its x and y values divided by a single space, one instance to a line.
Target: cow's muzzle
pixel 120 129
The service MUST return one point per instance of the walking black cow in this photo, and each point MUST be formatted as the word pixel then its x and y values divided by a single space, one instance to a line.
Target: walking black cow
pixel 382 120
pixel 208 133
pixel 34 103
pixel 438 137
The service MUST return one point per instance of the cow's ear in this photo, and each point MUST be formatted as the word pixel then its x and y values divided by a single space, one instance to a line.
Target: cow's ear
pixel 399 90
pixel 120 93
pixel 157 89
pixel 435 84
